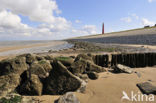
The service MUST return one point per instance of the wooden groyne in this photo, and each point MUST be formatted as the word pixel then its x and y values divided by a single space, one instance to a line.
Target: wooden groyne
pixel 133 60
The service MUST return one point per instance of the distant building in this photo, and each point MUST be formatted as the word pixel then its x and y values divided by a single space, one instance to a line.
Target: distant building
pixel 103 29
pixel 146 26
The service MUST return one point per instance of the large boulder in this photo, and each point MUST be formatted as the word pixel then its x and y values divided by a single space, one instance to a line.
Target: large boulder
pixel 69 97
pixel 15 65
pixel 93 75
pixel 82 66
pixel 32 86
pixel 30 58
pixel 8 83
pixel 49 57
pixel 147 88
pixel 84 56
pixel 38 58
pixel 37 69
pixel 83 77
pixel 66 61
pixel 79 67
pixel 122 69
pixel 40 68
pixel 93 67
pixel 60 80
pixel 46 65
pixel 83 87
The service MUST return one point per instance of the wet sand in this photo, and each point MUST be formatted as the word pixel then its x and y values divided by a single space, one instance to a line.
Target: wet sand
pixel 9 51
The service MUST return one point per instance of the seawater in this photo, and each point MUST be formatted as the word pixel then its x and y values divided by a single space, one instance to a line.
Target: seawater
pixel 54 46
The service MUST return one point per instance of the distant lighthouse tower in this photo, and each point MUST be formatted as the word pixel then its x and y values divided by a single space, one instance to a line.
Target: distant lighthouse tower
pixel 103 28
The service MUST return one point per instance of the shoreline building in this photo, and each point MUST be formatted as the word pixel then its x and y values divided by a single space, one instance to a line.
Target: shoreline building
pixel 103 29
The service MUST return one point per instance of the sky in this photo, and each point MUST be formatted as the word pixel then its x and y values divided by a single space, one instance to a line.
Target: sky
pixel 60 19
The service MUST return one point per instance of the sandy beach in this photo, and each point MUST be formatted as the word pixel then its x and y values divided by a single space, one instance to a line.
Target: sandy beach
pixel 109 87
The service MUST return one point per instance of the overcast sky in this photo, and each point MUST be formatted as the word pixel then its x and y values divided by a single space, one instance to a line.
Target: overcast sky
pixel 59 19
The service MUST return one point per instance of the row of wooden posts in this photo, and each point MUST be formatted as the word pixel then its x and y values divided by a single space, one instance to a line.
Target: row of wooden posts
pixel 133 60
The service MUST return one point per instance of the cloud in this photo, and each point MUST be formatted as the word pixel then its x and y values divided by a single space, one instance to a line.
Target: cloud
pixel 126 19
pixel 10 20
pixel 147 22
pixel 77 21
pixel 135 16
pixel 11 24
pixel 85 30
pixel 42 11
pixel 90 29
pixel 150 1
pixel 36 10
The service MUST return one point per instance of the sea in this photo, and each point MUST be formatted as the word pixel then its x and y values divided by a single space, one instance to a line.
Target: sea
pixel 52 45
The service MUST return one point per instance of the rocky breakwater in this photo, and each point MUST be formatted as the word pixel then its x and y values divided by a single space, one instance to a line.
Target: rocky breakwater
pixel 31 75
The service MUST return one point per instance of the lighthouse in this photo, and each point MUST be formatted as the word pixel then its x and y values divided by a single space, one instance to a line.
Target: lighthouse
pixel 103 29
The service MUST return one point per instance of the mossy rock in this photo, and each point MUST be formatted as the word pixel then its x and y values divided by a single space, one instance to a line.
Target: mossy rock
pixel 15 65
pixel 67 61
pixel 30 58
pixel 15 99
pixel 8 83
pixel 41 68
pixel 46 65
pixel 37 69
pixel 32 86
pixel 93 75
pixel 78 67
pixel 39 58
pixel 94 68
pixel 60 80
pixel 84 56
pixel 49 57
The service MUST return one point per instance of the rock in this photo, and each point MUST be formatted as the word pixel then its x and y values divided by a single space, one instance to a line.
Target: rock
pixel 83 77
pixel 31 86
pixel 138 74
pixel 16 98
pixel 46 65
pixel 40 68
pixel 78 67
pixel 68 98
pixel 83 86
pixel 73 57
pixel 8 83
pixel 30 58
pixel 93 75
pixel 49 57
pixel 66 61
pixel 83 56
pixel 90 55
pixel 15 65
pixel 11 98
pixel 147 88
pixel 38 58
pixel 95 68
pixel 60 80
pixel 82 66
pixel 37 69
pixel 123 69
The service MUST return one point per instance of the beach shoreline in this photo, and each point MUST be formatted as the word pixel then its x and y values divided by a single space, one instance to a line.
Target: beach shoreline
pixel 109 86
